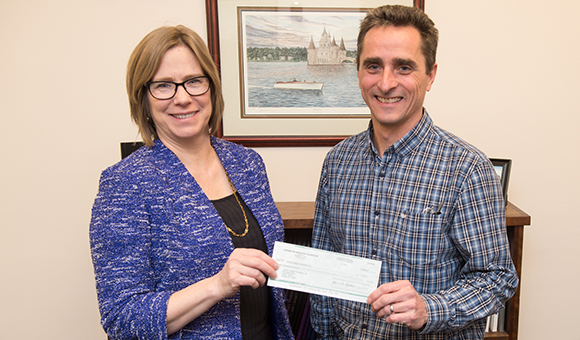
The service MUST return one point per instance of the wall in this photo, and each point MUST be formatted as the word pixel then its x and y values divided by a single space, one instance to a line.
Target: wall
pixel 508 82
pixel 64 111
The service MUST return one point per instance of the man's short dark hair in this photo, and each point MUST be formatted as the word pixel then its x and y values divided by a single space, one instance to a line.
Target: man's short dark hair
pixel 402 16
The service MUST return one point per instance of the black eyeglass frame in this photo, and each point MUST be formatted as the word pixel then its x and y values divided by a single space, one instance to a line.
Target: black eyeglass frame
pixel 177 85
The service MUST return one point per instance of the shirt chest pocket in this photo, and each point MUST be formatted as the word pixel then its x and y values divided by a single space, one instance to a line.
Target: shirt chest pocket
pixel 418 239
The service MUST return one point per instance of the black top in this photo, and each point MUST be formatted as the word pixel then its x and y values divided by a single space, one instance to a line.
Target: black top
pixel 254 303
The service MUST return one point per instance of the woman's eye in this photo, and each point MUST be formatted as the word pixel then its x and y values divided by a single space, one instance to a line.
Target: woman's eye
pixel 163 86
pixel 193 82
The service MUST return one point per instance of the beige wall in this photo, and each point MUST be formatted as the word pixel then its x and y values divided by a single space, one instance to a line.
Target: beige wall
pixel 508 82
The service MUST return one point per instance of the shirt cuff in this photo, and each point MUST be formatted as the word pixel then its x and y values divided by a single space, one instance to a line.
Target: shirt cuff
pixel 439 314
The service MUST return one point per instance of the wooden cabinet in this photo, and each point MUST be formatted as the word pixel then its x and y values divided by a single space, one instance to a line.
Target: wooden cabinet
pixel 298 220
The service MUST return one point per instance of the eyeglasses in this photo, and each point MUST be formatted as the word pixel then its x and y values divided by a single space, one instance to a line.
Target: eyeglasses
pixel 163 90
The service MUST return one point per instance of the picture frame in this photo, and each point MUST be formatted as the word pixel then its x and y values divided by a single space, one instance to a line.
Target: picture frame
pixel 128 148
pixel 503 167
pixel 266 131
pixel 299 64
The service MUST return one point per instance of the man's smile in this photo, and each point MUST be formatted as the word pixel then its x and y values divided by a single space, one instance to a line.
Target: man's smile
pixel 389 100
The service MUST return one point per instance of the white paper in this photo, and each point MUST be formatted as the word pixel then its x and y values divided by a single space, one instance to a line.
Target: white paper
pixel 323 272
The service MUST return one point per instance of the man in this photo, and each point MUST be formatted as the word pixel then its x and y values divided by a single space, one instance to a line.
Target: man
pixel 407 193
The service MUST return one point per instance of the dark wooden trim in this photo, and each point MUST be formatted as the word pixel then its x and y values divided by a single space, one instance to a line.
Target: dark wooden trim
pixel 285 141
pixel 213 32
pixel 420 4
pixel 516 216
pixel 516 237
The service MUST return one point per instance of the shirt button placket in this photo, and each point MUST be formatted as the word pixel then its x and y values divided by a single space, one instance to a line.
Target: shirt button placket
pixel 378 178
pixel 374 253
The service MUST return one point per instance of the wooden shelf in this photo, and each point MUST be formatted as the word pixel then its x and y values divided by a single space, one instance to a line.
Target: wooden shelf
pixel 297 215
pixel 299 218
pixel 515 216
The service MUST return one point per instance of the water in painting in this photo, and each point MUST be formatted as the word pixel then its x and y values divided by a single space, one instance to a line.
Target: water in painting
pixel 340 87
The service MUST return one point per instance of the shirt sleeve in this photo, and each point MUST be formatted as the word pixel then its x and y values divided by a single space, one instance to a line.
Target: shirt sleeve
pixel 320 306
pixel 121 251
pixel 488 278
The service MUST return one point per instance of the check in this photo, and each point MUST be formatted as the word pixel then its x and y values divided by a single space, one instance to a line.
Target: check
pixel 323 272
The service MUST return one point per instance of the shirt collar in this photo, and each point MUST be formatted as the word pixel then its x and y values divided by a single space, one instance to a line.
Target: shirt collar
pixel 408 142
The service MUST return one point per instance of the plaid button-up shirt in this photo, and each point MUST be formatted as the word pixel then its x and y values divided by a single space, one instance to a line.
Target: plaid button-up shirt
pixel 431 209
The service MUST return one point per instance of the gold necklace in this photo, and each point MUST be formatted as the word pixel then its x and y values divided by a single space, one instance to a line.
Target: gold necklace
pixel 243 212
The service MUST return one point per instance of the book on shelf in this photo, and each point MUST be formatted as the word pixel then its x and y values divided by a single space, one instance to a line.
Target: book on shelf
pixel 501 321
pixel 496 322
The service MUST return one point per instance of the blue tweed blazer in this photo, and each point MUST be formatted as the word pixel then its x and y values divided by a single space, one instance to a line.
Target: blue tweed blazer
pixel 153 231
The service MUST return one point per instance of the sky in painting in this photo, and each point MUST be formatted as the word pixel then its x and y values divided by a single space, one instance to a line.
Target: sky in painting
pixel 292 29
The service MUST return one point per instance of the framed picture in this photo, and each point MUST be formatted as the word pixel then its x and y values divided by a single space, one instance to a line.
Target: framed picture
pixel 286 73
pixel 502 168
pixel 276 93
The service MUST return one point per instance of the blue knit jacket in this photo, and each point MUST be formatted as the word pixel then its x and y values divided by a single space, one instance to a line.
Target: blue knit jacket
pixel 153 232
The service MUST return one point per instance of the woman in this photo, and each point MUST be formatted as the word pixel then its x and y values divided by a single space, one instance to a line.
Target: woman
pixel 181 228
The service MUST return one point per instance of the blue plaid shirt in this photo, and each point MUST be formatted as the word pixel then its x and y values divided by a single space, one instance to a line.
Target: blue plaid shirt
pixel 386 208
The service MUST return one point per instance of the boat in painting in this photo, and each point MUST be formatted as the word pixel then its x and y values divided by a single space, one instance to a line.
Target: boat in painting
pixel 296 84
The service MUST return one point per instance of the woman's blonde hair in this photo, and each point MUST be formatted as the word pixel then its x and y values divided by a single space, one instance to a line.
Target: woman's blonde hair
pixel 144 63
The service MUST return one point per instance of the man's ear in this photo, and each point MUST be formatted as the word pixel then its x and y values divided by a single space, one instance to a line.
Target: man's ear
pixel 432 76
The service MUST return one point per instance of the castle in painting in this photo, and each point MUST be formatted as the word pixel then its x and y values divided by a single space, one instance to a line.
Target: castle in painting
pixel 328 52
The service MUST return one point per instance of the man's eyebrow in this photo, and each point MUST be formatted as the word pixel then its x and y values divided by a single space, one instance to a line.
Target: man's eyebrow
pixel 372 60
pixel 404 61
pixel 396 62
